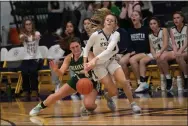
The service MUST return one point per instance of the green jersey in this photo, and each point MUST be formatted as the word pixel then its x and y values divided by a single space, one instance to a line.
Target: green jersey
pixel 77 67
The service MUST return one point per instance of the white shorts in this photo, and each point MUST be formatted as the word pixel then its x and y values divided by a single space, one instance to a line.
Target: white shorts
pixel 102 70
pixel 150 55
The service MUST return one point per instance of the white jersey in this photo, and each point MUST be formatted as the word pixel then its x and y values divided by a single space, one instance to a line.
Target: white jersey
pixel 31 48
pixel 103 47
pixel 180 37
pixel 157 41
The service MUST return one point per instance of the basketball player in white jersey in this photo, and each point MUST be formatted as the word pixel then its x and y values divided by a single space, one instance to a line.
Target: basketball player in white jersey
pixel 179 41
pixel 160 46
pixel 104 43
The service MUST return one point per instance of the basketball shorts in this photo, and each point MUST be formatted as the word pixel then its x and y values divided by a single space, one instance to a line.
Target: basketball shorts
pixel 101 70
pixel 74 79
pixel 150 55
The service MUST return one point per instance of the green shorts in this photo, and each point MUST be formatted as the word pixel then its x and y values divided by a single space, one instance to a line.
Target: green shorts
pixel 73 81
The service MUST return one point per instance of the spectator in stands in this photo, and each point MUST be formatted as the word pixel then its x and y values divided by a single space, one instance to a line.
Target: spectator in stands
pixel 70 31
pixel 29 37
pixel 111 6
pixel 84 36
pixel 147 11
pixel 179 35
pixel 125 21
pixel 55 10
pixel 89 9
pixel 161 50
pixel 73 13
pixel 140 47
pixel 134 6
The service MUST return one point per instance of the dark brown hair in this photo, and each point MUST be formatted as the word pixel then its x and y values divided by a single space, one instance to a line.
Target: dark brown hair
pixel 156 19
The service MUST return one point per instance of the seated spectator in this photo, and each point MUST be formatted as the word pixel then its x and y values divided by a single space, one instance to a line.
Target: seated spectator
pixel 159 43
pixel 84 36
pixel 179 38
pixel 29 37
pixel 140 48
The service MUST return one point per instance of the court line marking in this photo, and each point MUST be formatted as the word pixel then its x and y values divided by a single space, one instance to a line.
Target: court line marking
pixel 130 121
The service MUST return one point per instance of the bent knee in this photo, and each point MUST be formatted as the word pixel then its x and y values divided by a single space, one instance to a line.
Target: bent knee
pixel 113 92
pixel 132 61
pixel 90 106
pixel 143 62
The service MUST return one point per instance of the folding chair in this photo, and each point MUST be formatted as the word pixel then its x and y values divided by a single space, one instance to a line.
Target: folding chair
pixel 152 68
pixel 4 52
pixel 44 71
pixel 11 66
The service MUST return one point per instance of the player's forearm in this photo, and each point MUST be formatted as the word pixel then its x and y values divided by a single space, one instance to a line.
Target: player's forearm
pixel 183 47
pixel 59 73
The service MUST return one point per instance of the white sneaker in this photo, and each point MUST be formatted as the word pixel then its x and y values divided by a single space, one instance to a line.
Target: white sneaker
pixel 84 111
pixel 74 97
pixel 110 103
pixel 36 110
pixel 135 107
pixel 142 87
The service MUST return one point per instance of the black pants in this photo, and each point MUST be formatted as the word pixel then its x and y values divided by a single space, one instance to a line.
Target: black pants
pixel 29 70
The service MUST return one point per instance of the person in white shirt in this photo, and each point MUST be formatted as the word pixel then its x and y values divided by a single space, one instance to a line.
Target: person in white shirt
pixel 104 43
pixel 161 50
pixel 179 35
pixel 29 37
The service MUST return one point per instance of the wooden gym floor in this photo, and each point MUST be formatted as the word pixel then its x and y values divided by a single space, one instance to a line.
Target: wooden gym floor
pixel 158 108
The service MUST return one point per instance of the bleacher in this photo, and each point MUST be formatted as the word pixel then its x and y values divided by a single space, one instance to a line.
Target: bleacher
pixel 10 72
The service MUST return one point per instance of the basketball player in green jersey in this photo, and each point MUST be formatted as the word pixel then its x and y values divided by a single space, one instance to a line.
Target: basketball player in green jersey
pixel 75 62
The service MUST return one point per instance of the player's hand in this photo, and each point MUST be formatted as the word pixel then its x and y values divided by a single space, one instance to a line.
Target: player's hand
pixel 91 64
pixel 53 66
pixel 37 37
pixel 158 55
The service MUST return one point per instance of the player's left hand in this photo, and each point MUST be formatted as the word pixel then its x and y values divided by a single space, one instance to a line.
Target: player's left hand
pixel 91 64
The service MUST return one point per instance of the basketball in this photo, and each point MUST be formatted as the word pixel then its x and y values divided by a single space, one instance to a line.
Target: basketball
pixel 84 86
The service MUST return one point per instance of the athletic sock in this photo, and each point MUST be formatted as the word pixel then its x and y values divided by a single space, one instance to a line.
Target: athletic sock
pixel 42 105
pixel 142 79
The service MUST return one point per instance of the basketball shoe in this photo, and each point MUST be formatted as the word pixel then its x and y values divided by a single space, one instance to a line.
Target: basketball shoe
pixel 110 103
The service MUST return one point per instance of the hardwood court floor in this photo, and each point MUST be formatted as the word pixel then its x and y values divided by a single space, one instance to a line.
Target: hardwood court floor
pixel 159 109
